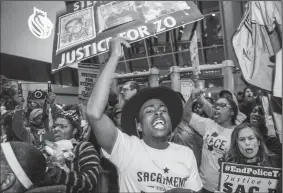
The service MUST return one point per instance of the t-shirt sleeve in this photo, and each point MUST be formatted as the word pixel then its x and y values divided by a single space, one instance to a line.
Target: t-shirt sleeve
pixel 200 124
pixel 193 182
pixel 122 151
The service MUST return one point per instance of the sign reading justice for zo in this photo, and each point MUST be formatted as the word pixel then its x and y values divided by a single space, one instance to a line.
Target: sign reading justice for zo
pixel 236 178
pixel 85 31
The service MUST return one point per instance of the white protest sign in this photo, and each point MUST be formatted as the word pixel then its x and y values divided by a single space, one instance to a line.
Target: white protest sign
pixel 88 74
pixel 246 178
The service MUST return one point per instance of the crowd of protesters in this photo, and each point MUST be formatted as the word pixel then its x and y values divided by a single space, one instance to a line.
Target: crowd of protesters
pixel 142 137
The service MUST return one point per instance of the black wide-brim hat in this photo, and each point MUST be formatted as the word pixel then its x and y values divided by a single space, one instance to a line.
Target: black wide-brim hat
pixel 132 107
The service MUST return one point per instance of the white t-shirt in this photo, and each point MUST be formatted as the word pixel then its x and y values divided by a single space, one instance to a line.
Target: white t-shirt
pixel 145 169
pixel 216 142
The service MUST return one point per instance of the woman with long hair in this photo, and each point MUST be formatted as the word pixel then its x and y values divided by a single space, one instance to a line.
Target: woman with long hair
pixel 248 147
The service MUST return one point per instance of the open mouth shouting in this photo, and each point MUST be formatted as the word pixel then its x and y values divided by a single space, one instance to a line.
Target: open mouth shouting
pixel 255 118
pixel 217 114
pixel 249 150
pixel 158 123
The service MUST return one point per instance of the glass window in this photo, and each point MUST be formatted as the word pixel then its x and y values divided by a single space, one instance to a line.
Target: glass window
pixel 212 30
pixel 166 47
pixel 160 44
pixel 208 6
pixel 139 65
pixel 163 62
pixel 214 54
pixel 121 68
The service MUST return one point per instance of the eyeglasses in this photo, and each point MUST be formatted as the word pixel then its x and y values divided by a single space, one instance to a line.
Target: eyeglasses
pixel 223 105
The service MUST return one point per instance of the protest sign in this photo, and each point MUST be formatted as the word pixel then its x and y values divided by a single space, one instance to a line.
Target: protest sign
pixel 246 178
pixel 88 74
pixel 186 88
pixel 87 27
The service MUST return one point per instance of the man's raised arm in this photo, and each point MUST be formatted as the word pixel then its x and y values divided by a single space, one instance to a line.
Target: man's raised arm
pixel 103 127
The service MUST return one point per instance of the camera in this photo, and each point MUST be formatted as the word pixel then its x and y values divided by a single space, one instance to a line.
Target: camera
pixel 37 94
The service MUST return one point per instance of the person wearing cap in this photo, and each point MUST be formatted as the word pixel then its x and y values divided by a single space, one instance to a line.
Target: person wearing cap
pixel 22 167
pixel 208 107
pixel 145 160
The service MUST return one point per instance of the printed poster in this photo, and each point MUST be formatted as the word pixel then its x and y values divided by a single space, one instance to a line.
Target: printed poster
pixel 76 28
pixel 88 74
pixel 85 30
pixel 246 178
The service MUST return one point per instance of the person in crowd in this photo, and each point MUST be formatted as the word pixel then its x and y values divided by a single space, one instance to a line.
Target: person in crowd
pixel 151 115
pixel 112 102
pixel 248 102
pixel 117 111
pixel 216 136
pixel 129 89
pixel 22 167
pixel 84 168
pixel 11 103
pixel 248 147
pixel 209 110
pixel 187 136
pixel 257 119
pixel 197 108
pixel 240 97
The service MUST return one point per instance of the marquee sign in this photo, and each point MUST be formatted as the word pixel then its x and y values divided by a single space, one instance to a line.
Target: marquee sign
pixel 87 27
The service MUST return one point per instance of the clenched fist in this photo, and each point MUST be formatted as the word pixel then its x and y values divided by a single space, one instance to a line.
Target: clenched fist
pixel 116 47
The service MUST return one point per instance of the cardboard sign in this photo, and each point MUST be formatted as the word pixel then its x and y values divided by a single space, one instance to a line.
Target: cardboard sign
pixel 246 178
pixel 186 88
pixel 86 29
pixel 88 74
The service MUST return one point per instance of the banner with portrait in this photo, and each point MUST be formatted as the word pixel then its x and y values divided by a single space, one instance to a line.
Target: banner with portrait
pixel 87 27
pixel 247 178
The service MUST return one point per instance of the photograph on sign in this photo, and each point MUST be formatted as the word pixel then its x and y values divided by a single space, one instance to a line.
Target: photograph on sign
pixel 73 48
pixel 248 178
pixel 116 13
pixel 76 28
pixel 155 9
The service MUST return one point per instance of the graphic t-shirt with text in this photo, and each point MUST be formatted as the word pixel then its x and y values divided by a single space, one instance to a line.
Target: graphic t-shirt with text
pixel 145 169
pixel 216 142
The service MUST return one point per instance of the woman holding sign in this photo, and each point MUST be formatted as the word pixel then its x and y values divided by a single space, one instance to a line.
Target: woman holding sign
pixel 248 147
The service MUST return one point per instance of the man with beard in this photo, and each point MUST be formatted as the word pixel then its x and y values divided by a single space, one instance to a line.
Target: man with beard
pixel 145 160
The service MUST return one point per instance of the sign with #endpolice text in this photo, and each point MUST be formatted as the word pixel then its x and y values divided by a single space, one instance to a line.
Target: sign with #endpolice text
pixel 87 27
pixel 236 178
